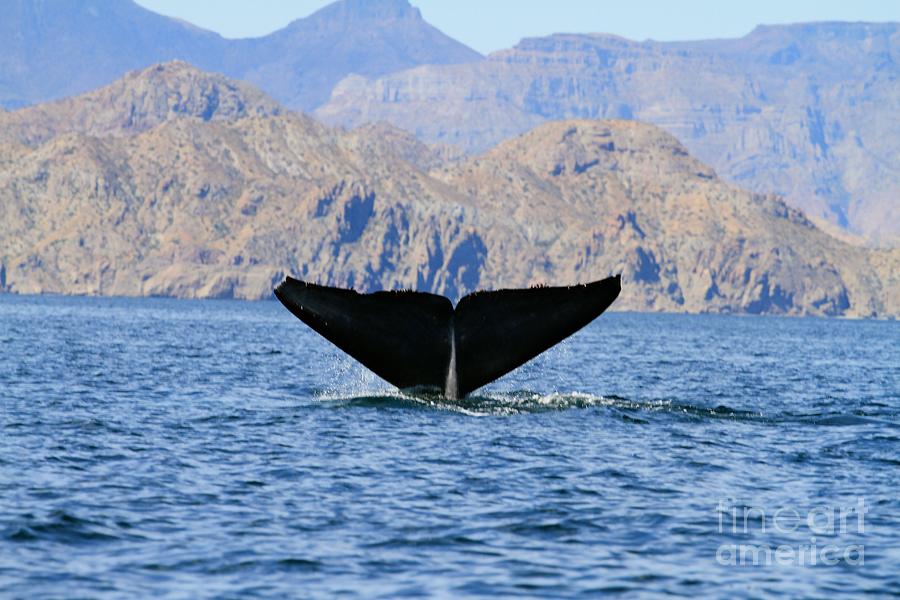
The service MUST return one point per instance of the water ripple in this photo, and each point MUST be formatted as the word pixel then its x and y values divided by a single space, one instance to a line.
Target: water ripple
pixel 158 447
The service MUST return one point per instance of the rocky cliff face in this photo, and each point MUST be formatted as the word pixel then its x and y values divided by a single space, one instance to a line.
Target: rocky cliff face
pixel 805 111
pixel 620 196
pixel 226 207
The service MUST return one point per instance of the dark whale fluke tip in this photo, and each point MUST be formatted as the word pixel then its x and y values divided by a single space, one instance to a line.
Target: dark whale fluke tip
pixel 417 339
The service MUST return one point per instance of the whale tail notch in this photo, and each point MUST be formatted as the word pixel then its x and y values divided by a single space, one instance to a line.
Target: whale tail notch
pixel 405 338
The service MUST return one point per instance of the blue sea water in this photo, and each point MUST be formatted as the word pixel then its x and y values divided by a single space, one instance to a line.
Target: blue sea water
pixel 153 447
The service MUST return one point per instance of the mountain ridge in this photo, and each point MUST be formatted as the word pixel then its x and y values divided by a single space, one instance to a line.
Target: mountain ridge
pixel 138 101
pixel 227 207
pixel 803 110
pixel 59 48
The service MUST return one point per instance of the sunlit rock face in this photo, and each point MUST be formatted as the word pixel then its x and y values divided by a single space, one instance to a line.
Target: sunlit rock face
pixel 144 190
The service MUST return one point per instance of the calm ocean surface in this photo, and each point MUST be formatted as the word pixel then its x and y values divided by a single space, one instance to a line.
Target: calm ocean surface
pixel 153 447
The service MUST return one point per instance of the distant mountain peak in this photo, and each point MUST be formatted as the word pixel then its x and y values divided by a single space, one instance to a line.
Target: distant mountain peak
pixel 363 37
pixel 55 48
pixel 366 10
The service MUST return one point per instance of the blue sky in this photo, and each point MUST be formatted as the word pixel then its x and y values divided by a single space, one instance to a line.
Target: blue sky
pixel 488 25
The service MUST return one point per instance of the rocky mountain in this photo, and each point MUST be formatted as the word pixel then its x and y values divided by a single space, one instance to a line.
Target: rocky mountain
pixel 51 49
pixel 623 196
pixel 806 111
pixel 139 101
pixel 225 207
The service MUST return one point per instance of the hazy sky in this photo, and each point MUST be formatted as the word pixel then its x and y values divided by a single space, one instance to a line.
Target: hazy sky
pixel 488 25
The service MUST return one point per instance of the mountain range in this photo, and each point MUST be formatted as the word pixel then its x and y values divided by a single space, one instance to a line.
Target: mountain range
pixel 177 182
pixel 50 49
pixel 805 111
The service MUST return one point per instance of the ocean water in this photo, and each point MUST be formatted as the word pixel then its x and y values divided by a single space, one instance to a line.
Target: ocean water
pixel 153 447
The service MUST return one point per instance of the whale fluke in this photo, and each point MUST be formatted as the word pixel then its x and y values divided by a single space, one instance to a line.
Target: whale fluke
pixel 405 338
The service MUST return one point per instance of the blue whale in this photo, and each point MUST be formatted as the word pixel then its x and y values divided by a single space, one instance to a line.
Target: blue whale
pixel 419 340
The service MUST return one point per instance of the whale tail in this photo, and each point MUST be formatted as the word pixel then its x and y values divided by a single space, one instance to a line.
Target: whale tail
pixel 416 339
